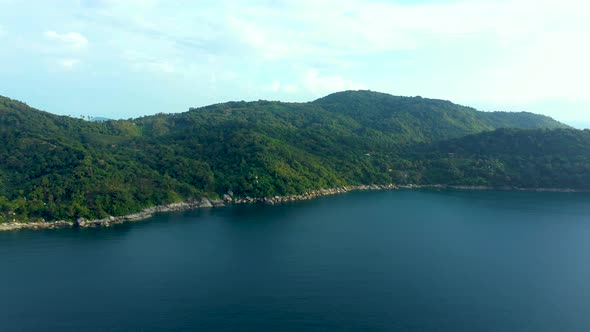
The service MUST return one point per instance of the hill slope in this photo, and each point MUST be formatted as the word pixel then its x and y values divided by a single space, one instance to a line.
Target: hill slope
pixel 420 119
pixel 508 157
pixel 57 167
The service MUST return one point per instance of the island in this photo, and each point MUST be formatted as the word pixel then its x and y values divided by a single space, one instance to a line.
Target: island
pixel 58 171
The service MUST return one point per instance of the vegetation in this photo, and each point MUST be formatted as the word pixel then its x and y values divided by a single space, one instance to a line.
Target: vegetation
pixel 509 157
pixel 55 167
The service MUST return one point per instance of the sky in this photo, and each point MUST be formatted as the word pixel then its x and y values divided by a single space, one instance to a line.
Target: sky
pixel 128 58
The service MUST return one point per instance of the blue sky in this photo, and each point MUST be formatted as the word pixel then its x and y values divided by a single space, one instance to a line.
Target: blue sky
pixel 124 59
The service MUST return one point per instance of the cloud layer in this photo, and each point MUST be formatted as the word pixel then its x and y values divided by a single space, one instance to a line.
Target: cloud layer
pixel 69 39
pixel 495 53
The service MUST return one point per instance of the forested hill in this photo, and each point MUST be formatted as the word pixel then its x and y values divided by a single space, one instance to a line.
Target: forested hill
pixel 417 118
pixel 537 158
pixel 402 119
pixel 57 167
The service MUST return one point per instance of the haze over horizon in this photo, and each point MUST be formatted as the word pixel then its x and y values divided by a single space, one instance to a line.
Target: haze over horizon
pixel 121 59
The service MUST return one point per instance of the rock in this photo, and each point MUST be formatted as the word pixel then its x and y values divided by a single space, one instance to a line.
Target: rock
pixel 217 202
pixel 192 203
pixel 205 203
pixel 79 221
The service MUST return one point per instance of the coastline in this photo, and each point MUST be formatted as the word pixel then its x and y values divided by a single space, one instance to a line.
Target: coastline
pixel 205 202
pixel 190 204
pixel 499 188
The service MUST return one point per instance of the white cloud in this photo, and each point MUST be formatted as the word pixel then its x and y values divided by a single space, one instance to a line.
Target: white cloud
pixel 275 86
pixel 306 28
pixel 229 75
pixel 278 87
pixel 270 42
pixel 64 51
pixel 537 48
pixel 291 88
pixel 127 4
pixel 73 40
pixel 500 52
pixel 311 81
pixel 541 56
pixel 67 64
pixel 160 67
pixel 320 85
pixel 139 61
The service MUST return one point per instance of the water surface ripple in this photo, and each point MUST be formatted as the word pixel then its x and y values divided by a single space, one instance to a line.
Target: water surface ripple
pixel 397 260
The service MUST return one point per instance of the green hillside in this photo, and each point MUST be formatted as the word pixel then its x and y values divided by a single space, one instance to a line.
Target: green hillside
pixel 410 119
pixel 57 167
pixel 538 158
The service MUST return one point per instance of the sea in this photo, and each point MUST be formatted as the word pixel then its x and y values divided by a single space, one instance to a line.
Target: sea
pixel 405 260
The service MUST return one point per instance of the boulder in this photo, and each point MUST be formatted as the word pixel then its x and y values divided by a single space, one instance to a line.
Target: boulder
pixel 205 203
pixel 217 202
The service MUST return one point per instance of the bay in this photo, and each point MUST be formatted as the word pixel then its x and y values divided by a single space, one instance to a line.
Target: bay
pixel 384 260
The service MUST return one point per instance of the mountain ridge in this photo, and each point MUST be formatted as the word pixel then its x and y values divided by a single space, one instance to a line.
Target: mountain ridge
pixel 57 167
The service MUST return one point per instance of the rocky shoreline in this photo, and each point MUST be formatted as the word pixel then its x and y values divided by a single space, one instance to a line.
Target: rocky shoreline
pixel 190 204
pixel 228 199
pixel 500 188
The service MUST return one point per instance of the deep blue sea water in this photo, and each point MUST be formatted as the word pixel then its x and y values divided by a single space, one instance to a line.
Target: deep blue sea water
pixel 364 261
